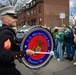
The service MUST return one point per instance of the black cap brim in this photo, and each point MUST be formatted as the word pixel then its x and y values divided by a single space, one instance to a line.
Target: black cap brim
pixel 12 15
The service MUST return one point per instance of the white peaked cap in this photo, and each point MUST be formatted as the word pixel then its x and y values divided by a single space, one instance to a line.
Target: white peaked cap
pixel 56 27
pixel 9 10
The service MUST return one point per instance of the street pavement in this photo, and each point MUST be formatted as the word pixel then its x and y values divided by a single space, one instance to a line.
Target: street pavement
pixel 54 67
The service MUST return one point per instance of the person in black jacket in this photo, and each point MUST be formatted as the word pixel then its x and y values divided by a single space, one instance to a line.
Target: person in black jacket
pixel 8 47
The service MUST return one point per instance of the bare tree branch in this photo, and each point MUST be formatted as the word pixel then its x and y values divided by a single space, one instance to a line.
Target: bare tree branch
pixel 18 3
pixel 12 2
pixel 22 3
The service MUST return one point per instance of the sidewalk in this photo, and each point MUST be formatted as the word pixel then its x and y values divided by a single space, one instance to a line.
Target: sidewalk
pixel 53 68
pixel 68 71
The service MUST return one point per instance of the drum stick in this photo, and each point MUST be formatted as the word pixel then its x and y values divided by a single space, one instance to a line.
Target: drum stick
pixel 51 53
pixel 42 52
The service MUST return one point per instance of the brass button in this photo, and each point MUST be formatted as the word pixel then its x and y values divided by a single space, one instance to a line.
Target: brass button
pixel 20 55
pixel 16 56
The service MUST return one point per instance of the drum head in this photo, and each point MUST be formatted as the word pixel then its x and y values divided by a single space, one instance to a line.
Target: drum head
pixel 38 39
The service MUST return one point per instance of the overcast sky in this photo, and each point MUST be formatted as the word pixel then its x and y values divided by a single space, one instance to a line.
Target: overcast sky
pixel 5 2
pixel 72 2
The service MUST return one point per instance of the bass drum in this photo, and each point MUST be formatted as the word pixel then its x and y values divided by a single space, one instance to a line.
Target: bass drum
pixel 39 39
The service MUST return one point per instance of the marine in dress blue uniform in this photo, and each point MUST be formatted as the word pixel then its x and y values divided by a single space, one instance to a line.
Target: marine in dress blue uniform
pixel 9 50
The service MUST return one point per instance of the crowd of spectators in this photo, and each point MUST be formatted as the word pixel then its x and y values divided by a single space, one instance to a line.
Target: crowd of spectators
pixel 65 43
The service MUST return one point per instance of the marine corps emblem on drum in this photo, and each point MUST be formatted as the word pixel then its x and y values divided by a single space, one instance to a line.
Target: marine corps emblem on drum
pixel 38 39
pixel 39 47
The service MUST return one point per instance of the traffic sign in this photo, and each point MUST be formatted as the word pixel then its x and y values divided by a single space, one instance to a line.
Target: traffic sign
pixel 62 15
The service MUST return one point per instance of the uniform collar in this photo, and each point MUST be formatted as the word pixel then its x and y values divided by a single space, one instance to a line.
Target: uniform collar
pixel 8 28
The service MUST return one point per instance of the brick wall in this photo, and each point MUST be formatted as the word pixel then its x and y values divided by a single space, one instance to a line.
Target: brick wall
pixel 52 9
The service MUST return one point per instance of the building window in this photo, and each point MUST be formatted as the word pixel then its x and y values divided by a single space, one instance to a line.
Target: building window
pixel 33 2
pixel 33 22
pixel 40 9
pixel 40 20
pixel 32 12
pixel 27 6
pixel 28 22
pixel 28 14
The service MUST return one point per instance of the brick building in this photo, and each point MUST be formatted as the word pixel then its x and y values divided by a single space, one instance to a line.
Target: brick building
pixel 44 12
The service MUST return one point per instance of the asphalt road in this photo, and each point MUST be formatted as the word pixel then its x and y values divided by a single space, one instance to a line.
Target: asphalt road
pixel 54 67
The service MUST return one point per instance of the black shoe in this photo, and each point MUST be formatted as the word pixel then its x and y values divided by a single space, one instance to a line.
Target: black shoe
pixel 67 58
pixel 70 59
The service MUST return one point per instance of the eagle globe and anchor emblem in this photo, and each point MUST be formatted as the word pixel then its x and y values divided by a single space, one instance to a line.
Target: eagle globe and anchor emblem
pixel 39 47
pixel 40 40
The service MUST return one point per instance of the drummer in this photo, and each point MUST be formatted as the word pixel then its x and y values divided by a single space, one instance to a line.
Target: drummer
pixel 8 47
